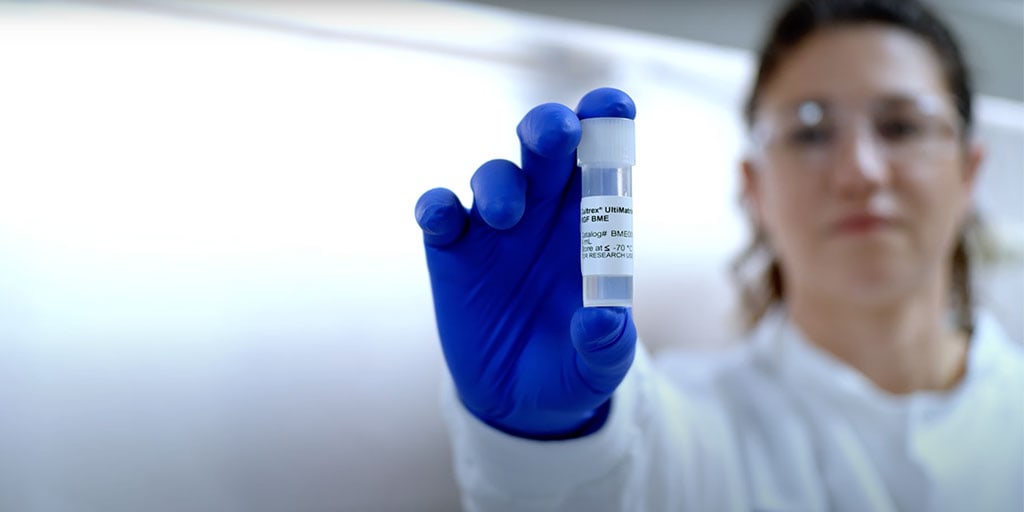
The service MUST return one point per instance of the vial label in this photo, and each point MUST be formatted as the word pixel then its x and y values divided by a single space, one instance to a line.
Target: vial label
pixel 606 236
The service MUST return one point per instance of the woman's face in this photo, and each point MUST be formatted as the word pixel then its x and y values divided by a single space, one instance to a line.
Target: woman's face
pixel 858 176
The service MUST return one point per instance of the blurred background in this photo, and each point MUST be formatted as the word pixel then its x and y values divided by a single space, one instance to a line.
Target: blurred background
pixel 212 288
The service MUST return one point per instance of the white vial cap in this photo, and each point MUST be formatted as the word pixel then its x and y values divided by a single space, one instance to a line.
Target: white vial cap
pixel 607 142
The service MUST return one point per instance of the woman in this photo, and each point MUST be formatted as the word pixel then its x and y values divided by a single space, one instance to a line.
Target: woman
pixel 869 381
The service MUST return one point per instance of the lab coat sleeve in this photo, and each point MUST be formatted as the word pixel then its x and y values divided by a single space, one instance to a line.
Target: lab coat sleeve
pixel 659 450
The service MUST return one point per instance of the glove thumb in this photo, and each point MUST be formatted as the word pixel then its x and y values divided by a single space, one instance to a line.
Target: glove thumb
pixel 605 342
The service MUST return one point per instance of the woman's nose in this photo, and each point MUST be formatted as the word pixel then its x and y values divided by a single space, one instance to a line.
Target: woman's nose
pixel 861 163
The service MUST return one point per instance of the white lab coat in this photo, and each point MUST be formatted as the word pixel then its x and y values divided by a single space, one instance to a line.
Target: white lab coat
pixel 775 424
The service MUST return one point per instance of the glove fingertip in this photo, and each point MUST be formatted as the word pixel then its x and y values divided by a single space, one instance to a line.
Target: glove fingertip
pixel 499 193
pixel 596 327
pixel 503 216
pixel 550 130
pixel 441 216
pixel 605 342
pixel 606 102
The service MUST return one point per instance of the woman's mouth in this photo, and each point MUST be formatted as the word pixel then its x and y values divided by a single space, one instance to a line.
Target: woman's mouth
pixel 861 223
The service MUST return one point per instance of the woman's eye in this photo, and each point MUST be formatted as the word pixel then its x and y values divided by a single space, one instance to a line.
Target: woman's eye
pixel 810 136
pixel 899 129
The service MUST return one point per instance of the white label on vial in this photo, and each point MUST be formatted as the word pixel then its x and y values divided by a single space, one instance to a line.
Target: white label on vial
pixel 606 236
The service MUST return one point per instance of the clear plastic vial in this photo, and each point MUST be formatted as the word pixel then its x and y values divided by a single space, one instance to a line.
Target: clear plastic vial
pixel 606 156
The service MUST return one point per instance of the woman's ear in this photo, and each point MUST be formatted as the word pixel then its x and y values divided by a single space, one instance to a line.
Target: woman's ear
pixel 751 193
pixel 975 155
pixel 976 152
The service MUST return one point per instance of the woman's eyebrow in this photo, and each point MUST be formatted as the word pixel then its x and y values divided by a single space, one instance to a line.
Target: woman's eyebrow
pixel 898 100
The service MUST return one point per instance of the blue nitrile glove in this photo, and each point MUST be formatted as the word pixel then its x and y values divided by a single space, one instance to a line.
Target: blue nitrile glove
pixel 525 356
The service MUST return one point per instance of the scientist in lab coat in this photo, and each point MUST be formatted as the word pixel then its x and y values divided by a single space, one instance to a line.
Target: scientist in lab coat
pixel 869 382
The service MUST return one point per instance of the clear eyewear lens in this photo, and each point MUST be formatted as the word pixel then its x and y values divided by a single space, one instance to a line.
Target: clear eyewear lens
pixel 814 132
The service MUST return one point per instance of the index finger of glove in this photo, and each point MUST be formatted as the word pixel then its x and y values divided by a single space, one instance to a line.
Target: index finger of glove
pixel 548 135
pixel 606 102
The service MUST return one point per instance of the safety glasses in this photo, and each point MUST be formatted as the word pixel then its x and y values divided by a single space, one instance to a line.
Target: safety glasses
pixel 814 133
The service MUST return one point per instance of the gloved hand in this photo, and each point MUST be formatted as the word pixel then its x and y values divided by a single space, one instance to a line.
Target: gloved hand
pixel 525 356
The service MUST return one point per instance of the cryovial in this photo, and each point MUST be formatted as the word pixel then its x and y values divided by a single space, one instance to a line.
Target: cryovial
pixel 606 155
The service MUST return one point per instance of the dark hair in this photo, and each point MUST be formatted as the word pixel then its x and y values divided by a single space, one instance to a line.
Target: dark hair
pixel 800 19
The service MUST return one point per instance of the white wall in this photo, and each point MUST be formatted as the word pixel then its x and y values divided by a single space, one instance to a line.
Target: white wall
pixel 212 294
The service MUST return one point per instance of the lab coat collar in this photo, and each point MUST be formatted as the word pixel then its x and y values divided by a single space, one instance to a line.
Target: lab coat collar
pixel 781 344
